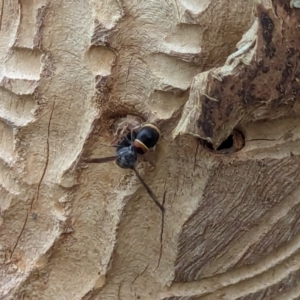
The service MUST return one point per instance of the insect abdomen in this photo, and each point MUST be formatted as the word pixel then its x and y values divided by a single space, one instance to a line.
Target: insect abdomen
pixel 147 138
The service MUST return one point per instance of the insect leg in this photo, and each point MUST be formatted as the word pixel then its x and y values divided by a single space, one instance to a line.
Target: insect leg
pixel 132 138
pixel 152 195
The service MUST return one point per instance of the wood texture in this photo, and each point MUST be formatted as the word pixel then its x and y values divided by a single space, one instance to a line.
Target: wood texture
pixel 221 78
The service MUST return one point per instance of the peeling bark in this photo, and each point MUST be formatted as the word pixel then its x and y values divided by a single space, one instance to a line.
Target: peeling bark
pixel 221 78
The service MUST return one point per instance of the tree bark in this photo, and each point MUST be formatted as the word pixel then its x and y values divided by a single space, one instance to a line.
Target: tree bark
pixel 221 78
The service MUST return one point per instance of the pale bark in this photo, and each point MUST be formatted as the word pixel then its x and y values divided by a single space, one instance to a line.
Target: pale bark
pixel 204 71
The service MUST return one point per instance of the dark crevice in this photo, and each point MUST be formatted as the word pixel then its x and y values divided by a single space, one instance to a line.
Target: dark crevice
pixel 233 143
pixel 139 275
pixel 119 290
pixel 47 158
pixel 19 237
pixel 1 13
pixel 228 143
pixel 39 184
pixel 195 157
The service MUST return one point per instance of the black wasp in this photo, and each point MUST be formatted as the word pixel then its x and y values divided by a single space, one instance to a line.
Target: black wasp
pixel 137 142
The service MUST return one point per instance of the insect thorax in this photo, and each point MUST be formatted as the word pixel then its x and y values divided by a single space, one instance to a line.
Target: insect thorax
pixel 127 157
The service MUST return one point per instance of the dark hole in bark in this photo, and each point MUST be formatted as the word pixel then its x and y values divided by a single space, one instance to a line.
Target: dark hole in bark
pixel 228 143
pixel 233 143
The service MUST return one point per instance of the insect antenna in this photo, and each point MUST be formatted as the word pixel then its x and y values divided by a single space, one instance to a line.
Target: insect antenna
pixel 101 159
pixel 151 194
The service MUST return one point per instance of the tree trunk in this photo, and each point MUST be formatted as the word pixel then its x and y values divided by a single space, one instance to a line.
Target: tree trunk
pixel 222 81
